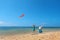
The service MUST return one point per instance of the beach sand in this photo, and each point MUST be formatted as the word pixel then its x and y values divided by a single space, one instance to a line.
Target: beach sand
pixel 39 36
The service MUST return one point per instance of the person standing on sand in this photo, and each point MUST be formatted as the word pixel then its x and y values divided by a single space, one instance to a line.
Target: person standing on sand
pixel 33 28
pixel 40 29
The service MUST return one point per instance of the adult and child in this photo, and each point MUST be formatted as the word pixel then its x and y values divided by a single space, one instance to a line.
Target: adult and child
pixel 40 29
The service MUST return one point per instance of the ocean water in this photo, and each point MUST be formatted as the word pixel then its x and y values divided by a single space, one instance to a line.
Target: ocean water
pixel 24 30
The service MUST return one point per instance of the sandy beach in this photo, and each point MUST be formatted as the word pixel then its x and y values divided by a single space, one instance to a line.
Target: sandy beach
pixel 41 36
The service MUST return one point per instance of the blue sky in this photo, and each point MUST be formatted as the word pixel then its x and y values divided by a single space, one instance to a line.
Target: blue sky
pixel 36 12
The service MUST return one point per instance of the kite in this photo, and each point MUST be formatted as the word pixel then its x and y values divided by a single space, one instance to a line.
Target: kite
pixel 22 15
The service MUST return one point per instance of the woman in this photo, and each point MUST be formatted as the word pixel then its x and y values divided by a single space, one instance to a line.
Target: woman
pixel 33 28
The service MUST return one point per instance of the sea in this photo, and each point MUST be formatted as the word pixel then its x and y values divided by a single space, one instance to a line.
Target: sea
pixel 25 30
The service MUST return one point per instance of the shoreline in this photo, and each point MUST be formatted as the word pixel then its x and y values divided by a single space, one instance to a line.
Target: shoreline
pixel 8 34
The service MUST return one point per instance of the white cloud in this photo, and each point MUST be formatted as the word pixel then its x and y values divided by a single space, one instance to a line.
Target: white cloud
pixel 2 22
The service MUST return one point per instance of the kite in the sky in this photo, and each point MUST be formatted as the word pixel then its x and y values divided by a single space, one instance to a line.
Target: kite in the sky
pixel 22 15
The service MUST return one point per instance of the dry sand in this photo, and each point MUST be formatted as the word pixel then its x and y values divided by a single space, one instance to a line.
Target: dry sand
pixel 41 36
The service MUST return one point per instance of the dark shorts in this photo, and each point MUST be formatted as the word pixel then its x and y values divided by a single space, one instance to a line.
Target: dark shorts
pixel 40 31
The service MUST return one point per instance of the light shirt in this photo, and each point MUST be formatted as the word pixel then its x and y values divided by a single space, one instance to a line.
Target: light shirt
pixel 40 27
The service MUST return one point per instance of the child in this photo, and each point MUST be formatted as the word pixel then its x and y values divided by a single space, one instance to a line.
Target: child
pixel 40 29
